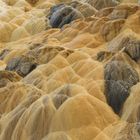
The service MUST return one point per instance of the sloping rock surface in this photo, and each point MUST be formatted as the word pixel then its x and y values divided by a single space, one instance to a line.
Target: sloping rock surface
pixel 69 70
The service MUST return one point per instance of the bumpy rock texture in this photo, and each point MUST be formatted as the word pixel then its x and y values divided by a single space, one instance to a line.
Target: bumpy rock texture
pixel 69 70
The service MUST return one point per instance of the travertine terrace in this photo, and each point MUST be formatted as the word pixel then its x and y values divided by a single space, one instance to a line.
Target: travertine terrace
pixel 69 70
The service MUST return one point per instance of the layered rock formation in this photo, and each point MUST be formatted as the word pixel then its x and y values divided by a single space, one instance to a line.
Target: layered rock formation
pixel 69 70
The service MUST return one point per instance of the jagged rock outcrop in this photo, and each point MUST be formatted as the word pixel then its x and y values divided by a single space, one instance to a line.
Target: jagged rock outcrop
pixel 119 77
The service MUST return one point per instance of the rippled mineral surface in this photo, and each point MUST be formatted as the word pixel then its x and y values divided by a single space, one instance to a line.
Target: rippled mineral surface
pixel 69 70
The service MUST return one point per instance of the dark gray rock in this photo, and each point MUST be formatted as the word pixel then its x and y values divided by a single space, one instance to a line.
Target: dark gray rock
pixel 23 65
pixel 119 77
pixel 63 15
pixel 84 8
pixel 129 44
pixel 118 70
pixel 54 9
pixel 116 94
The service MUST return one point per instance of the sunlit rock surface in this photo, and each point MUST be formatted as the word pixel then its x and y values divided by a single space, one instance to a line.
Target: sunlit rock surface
pixel 69 70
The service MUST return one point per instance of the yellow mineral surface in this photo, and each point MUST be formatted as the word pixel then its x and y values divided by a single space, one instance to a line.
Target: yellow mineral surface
pixel 69 70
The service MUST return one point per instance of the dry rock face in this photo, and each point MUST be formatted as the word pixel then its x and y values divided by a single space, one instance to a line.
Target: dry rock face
pixel 69 70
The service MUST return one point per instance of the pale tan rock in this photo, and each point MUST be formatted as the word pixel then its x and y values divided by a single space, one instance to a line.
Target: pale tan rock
pixel 57 136
pixel 64 96
pixel 131 107
pixel 6 29
pixel 123 11
pixel 77 118
pixel 133 22
pixel 19 33
pixel 111 29
pixel 99 4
